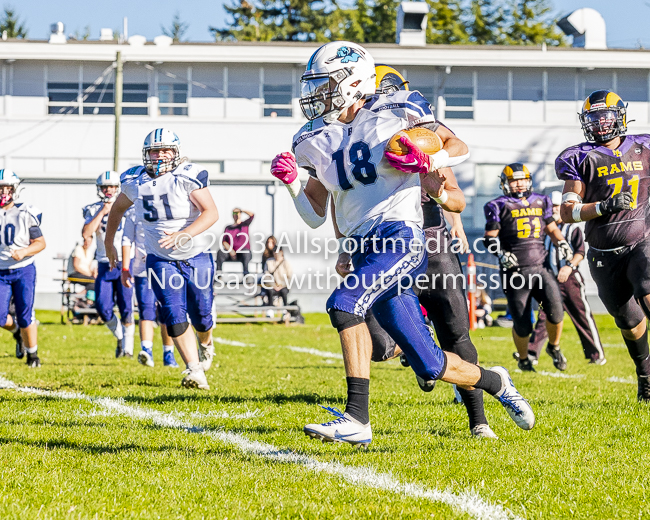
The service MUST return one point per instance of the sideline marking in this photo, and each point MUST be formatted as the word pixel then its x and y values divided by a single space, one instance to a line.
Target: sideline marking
pixel 466 501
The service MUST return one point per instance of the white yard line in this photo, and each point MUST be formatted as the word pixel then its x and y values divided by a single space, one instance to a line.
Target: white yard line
pixel 304 350
pixel 625 380
pixel 553 374
pixel 465 501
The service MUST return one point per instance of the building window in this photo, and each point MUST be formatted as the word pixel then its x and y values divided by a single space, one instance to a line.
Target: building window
pixel 459 103
pixel 135 99
pixel 277 101
pixel 96 98
pixel 172 99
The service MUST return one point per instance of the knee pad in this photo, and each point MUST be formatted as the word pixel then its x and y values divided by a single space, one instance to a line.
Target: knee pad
pixel 522 328
pixel 203 327
pixel 342 320
pixel 177 329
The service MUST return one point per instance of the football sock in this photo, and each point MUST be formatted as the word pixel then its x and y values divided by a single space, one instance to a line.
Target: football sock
pixel 358 394
pixel 146 344
pixel 489 381
pixel 194 366
pixel 168 348
pixel 473 401
pixel 638 349
pixel 32 350
pixel 129 332
pixel 115 327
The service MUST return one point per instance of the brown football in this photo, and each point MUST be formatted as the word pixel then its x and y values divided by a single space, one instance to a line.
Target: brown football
pixel 426 140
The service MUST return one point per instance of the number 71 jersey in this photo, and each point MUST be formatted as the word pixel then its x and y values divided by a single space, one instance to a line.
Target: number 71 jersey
pixel 163 206
pixel 521 225
pixel 348 159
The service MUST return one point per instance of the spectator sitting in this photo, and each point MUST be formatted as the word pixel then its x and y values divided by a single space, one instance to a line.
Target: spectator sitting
pixel 276 277
pixel 483 309
pixel 269 250
pixel 236 236
pixel 82 265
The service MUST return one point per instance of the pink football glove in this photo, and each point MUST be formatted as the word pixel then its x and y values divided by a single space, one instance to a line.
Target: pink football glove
pixel 284 167
pixel 415 161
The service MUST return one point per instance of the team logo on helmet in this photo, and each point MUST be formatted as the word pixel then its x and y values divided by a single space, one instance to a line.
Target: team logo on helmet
pixel 514 172
pixel 346 55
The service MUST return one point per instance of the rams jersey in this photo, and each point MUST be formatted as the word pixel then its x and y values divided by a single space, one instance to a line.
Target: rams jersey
pixel 18 226
pixel 606 173
pixel 348 159
pixel 163 206
pixel 133 236
pixel 522 225
pixel 89 213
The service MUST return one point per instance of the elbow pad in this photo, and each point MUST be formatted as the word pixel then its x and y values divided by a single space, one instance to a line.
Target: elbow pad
pixel 306 211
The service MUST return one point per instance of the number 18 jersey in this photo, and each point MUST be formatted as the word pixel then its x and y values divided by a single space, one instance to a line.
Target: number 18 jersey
pixel 163 206
pixel 348 159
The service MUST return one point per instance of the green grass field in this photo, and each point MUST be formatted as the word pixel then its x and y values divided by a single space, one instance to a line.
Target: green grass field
pixel 155 450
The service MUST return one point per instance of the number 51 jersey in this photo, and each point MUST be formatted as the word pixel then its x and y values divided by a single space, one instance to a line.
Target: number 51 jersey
pixel 163 206
pixel 606 173
pixel 348 159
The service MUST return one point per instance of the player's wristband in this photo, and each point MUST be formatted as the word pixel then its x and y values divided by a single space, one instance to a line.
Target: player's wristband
pixel 599 208
pixel 443 198
pixel 125 269
pixel 575 213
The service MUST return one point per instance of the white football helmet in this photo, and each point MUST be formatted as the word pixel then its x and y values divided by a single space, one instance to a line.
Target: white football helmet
pixel 9 178
pixel 108 178
pixel 338 75
pixel 159 139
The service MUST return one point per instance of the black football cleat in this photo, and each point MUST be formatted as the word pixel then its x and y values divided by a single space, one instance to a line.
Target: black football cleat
pixel 403 360
pixel 559 361
pixel 526 365
pixel 643 394
pixel 20 346
pixel 33 361
pixel 119 350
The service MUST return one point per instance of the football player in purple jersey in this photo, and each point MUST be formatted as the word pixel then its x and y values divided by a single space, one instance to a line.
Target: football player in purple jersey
pixel 606 185
pixel 521 219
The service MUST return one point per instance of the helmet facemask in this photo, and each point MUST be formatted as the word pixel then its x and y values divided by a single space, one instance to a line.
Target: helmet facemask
pixel 518 194
pixel 603 124
pixel 321 94
pixel 7 198
pixel 161 166
pixel 107 198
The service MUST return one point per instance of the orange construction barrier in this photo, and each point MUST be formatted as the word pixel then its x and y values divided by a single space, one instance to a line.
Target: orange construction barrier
pixel 471 291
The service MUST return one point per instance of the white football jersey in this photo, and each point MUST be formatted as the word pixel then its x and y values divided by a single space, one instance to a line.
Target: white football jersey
pixel 18 226
pixel 348 159
pixel 89 214
pixel 163 205
pixel 133 235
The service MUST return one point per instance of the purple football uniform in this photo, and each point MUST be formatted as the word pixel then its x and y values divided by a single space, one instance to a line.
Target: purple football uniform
pixel 606 173
pixel 522 225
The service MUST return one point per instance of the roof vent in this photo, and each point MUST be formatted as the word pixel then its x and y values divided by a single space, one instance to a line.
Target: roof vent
pixel 56 33
pixel 106 35
pixel 587 27
pixel 137 40
pixel 412 23
pixel 163 41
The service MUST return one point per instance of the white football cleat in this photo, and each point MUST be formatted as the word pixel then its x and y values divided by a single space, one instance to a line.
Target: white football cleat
pixel 343 429
pixel 206 355
pixel 517 407
pixel 195 378
pixel 145 357
pixel 483 431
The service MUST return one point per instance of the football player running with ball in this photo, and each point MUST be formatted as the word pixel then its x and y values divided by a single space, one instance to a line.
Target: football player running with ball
pixel 521 219
pixel 174 204
pixel 108 287
pixel 20 240
pixel 377 203
pixel 606 184
pixel 134 274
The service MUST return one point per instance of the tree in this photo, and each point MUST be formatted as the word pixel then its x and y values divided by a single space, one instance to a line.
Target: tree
pixel 10 23
pixel 485 25
pixel 531 23
pixel 368 22
pixel 280 20
pixel 81 36
pixel 177 29
pixel 445 23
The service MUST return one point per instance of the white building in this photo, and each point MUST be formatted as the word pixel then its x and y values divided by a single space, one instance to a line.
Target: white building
pixel 235 106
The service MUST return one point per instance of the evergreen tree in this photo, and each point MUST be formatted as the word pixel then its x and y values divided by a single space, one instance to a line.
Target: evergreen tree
pixel 531 23
pixel 279 20
pixel 9 22
pixel 445 23
pixel 485 25
pixel 177 29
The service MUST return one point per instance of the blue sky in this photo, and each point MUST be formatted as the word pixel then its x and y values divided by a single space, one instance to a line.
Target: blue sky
pixel 626 21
